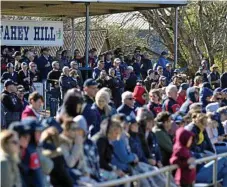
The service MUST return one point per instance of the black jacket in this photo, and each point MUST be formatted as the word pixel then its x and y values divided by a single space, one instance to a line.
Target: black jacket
pixel 66 83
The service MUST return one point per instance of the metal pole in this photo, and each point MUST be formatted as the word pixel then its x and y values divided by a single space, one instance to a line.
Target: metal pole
pixel 215 173
pixel 168 179
pixel 73 38
pixel 87 37
pixel 175 37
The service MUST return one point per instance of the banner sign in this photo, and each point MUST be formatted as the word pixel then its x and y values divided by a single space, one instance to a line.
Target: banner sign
pixel 31 33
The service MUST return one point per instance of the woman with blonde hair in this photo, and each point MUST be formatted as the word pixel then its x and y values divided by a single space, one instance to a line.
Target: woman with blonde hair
pixel 102 108
pixel 9 156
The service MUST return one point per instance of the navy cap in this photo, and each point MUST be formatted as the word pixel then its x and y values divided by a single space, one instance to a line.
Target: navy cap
pixel 131 120
pixel 224 91
pixel 9 82
pixel 90 82
pixel 168 64
pixel 177 118
pixel 51 122
pixel 20 128
pixel 9 65
pixel 34 124
pixel 164 53
pixel 184 86
pixel 217 90
pixel 176 71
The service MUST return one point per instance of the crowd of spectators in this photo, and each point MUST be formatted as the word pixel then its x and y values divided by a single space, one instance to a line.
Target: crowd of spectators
pixel 132 116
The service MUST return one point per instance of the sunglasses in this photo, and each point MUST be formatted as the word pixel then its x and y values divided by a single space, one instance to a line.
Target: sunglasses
pixel 130 98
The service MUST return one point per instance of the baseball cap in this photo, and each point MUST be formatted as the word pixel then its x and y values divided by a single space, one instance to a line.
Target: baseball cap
pixel 51 122
pixel 9 65
pixel 9 82
pixel 131 120
pixel 212 107
pixel 24 64
pixel 34 124
pixel 168 64
pixel 184 86
pixel 20 128
pixel 177 118
pixel 90 82
pixel 164 53
pixel 16 53
pixel 217 90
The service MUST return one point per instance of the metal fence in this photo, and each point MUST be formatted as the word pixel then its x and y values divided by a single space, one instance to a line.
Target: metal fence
pixel 168 170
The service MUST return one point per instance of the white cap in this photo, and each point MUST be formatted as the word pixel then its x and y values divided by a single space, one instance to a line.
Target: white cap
pixel 212 107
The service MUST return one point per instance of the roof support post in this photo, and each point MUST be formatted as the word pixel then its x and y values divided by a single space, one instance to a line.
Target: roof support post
pixel 87 37
pixel 73 38
pixel 175 38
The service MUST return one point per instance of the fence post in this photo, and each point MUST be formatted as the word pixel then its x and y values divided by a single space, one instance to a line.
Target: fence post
pixel 168 178
pixel 215 173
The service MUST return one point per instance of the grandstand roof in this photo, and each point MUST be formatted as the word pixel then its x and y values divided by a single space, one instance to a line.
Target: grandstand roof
pixel 76 8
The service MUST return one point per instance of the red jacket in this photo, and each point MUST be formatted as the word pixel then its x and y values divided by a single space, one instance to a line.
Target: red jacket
pixel 180 156
pixel 28 112
pixel 181 99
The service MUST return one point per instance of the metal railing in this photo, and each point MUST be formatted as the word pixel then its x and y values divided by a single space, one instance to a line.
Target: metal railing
pixel 168 170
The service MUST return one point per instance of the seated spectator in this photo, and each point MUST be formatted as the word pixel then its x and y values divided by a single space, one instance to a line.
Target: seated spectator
pixel 97 70
pixel 223 117
pixel 162 82
pixel 127 106
pixel 33 109
pixel 192 96
pixel 102 80
pixel 170 104
pixel 159 71
pixel 119 71
pixel 140 96
pixel 12 104
pixel 9 74
pixel 149 79
pixel 185 174
pixel 163 125
pixel 205 97
pixel 10 175
pixel 154 105
pixel 130 80
pixel 181 95
pixel 102 109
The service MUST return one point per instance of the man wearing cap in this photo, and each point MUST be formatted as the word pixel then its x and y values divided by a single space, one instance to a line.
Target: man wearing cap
pixel 12 105
pixel 9 74
pixel 168 73
pixel 20 95
pixel 90 89
pixel 44 63
pixel 181 95
pixel 214 76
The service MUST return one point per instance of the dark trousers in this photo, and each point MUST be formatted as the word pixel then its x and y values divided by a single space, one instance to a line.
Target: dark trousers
pixel 54 101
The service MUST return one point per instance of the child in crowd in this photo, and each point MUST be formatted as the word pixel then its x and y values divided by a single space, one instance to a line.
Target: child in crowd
pixel 186 173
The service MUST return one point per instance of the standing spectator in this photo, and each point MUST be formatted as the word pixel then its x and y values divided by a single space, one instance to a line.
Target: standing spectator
pixel 129 59
pixel 66 82
pixel 168 73
pixel 162 82
pixel 74 65
pixel 170 104
pixel 24 57
pixel 98 69
pixel 160 71
pixel 163 125
pixel 149 79
pixel 58 59
pixel 102 79
pixel 20 95
pixel 130 81
pixel 10 175
pixel 34 73
pixel 12 105
pixel 65 58
pixel 224 80
pixel 108 61
pixel 137 66
pixel 205 97
pixel 181 95
pixel 33 109
pixel 154 105
pixel 77 57
pixel 24 78
pixel 53 78
pixel 185 176
pixel 198 80
pixel 119 71
pixel 127 106
pixel 17 62
pixel 9 74
pixel 162 61
pixel 145 65
pixel 214 77
pixel 44 63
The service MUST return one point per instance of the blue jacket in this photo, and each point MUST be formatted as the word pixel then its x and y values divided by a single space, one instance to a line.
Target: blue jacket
pixel 96 73
pixel 190 95
pixel 161 62
pixel 66 83
pixel 204 93
pixel 124 109
pixel 41 63
pixel 136 67
pixel 136 146
pixel 7 75
pixel 121 155
pixel 154 147
pixel 107 66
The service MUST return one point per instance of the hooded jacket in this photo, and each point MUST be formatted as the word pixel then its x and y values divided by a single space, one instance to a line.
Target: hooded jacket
pixel 180 156
pixel 190 95
pixel 137 94
pixel 204 93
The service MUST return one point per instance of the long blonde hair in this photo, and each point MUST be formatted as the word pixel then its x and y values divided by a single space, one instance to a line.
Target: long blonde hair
pixel 104 95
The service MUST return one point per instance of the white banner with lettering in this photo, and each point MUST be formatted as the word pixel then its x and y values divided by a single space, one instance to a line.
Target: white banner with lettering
pixel 31 33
